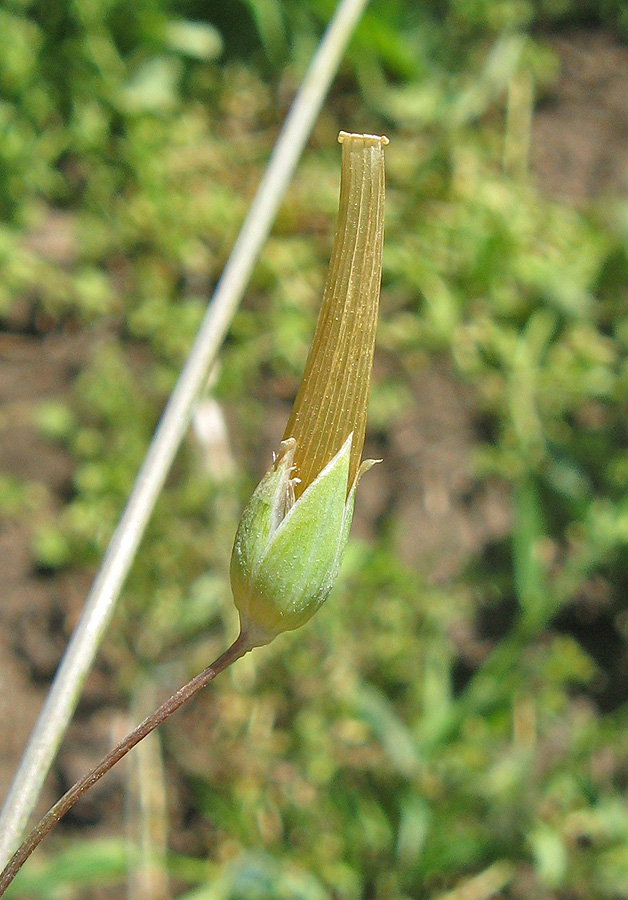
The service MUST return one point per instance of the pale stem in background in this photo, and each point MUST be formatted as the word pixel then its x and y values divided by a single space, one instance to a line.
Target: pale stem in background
pixel 272 592
pixel 68 683
pixel 517 136
pixel 147 808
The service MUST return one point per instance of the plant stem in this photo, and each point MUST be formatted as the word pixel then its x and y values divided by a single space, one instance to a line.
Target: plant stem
pixel 239 647
pixel 99 606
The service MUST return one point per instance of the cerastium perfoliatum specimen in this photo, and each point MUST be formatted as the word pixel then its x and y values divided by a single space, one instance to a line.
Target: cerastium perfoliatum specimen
pixel 291 538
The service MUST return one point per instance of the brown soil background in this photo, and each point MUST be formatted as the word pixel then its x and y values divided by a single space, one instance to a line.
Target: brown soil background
pixel 579 151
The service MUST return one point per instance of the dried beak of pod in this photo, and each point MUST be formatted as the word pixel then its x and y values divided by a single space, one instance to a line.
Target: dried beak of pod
pixel 332 399
pixel 292 536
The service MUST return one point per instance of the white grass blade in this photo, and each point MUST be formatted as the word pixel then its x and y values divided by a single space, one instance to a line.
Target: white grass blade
pixel 68 682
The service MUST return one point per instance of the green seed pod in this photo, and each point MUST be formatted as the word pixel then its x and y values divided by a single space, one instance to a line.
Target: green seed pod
pixel 293 532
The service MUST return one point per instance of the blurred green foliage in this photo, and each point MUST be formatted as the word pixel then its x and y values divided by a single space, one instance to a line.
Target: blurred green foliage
pixel 366 756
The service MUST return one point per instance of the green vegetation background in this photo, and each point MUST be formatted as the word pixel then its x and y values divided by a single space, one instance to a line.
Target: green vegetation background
pixel 363 757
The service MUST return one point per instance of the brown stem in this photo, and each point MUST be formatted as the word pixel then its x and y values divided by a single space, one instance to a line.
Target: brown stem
pixel 239 647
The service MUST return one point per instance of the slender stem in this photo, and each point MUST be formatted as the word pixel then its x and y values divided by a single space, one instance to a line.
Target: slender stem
pixel 239 647
pixel 99 606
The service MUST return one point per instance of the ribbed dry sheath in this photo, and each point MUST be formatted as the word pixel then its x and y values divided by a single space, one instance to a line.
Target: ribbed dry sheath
pixel 292 535
pixel 332 399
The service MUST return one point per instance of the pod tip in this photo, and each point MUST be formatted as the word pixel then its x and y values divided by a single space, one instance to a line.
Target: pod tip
pixel 367 138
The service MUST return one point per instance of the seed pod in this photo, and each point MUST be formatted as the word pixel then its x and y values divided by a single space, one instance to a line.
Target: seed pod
pixel 291 539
